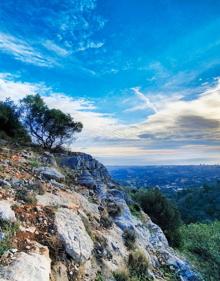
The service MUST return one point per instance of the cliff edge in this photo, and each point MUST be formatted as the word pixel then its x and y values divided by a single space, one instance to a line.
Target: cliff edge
pixel 63 218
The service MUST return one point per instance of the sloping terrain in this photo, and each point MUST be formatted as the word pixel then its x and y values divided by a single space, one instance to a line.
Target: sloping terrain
pixel 62 218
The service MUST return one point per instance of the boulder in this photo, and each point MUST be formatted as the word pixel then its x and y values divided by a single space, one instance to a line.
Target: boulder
pixel 72 232
pixel 27 267
pixel 6 213
pixel 49 173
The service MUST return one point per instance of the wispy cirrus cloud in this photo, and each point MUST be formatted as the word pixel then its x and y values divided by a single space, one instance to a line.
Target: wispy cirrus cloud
pixel 23 51
pixel 144 104
pixel 51 46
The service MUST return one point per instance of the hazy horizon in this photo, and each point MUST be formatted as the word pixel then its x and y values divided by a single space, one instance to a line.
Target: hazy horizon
pixel 142 76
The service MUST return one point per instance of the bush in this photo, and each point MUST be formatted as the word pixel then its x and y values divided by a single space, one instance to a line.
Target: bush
pixel 138 266
pixel 28 196
pixel 129 237
pixel 113 208
pixel 9 230
pixel 135 209
pixel 50 128
pixel 9 122
pixel 99 277
pixel 121 276
pixel 162 212
pixel 201 244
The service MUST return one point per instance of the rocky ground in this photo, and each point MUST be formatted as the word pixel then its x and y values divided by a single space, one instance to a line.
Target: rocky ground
pixel 62 218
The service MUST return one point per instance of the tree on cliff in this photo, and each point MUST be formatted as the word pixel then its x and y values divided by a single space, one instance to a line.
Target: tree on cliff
pixel 50 128
pixel 162 212
pixel 10 125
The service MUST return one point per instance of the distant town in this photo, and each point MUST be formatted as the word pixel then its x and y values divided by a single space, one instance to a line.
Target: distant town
pixel 166 178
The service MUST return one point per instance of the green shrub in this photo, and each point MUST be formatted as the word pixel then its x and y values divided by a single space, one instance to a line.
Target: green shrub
pixel 9 230
pixel 162 212
pixel 138 266
pixel 201 244
pixel 136 210
pixel 129 237
pixel 28 196
pixel 99 277
pixel 121 276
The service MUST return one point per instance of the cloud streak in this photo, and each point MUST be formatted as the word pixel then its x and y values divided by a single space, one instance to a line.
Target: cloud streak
pixel 22 51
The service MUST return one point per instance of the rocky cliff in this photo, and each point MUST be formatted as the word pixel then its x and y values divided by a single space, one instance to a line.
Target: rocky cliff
pixel 63 218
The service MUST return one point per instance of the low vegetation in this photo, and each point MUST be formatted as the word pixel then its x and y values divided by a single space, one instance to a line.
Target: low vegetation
pixel 129 237
pixel 137 268
pixel 201 244
pixel 9 230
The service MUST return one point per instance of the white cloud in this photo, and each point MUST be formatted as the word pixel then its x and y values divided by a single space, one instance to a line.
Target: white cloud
pixel 145 102
pixel 22 51
pixel 186 119
pixel 90 45
pixel 180 131
pixel 51 46
pixel 97 125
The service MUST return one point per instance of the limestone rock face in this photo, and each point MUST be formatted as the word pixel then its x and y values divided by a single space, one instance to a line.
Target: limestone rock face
pixel 26 267
pixel 71 200
pixel 72 232
pixel 49 173
pixel 90 172
pixel 6 213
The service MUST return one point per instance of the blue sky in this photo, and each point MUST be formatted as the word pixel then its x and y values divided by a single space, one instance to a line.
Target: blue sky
pixel 143 76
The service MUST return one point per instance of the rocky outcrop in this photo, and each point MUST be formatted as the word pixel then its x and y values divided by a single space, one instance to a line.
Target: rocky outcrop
pixel 89 172
pixel 49 173
pixel 72 232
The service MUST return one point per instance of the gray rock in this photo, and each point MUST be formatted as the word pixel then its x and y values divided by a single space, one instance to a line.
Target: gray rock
pixel 4 183
pixel 124 220
pixel 6 213
pixel 48 159
pixel 2 236
pixel 72 232
pixel 49 173
pixel 27 267
pixel 87 179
